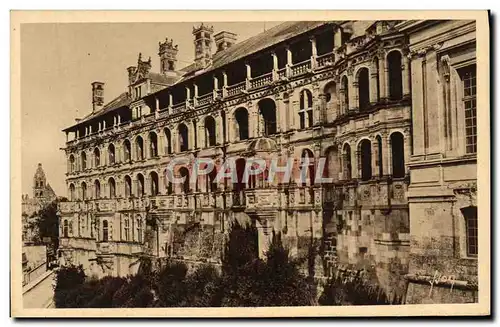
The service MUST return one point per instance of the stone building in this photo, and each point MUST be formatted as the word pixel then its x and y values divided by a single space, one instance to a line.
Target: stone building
pixel 340 90
pixel 43 194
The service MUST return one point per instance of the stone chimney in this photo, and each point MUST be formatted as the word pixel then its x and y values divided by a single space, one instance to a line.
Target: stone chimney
pixel 97 96
pixel 203 45
pixel 224 40
pixel 168 56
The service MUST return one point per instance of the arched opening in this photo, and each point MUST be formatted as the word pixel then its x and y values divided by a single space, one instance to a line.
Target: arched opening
pixel 184 173
pixel 209 131
pixel 140 185
pixel 332 163
pixel 128 186
pixel 211 185
pixel 345 90
pixel 398 155
pixel 65 228
pixel 267 109
pixel 84 191
pixel 241 116
pixel 307 169
pixel 153 176
pixel 112 188
pixel 105 231
pixel 380 161
pixel 97 157
pixel 364 88
pixel 84 160
pixel 127 150
pixel 72 192
pixel 168 141
pixel 153 145
pixel 306 112
pixel 240 170
pixel 97 187
pixel 346 160
pixel 365 149
pixel 111 154
pixel 183 137
pixel 331 99
pixel 139 142
pixel 72 167
pixel 168 184
pixel 395 75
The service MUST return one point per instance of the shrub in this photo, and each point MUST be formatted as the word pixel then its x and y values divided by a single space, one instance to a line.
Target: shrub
pixel 170 285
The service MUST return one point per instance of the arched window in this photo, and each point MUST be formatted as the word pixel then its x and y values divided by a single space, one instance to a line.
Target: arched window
pixel 345 90
pixel 97 188
pixel 267 109
pixel 398 155
pixel 72 192
pixel 209 131
pixel 128 186
pixel 331 99
pixel 84 160
pixel 241 116
pixel 140 185
pixel 395 75
pixel 72 167
pixel 307 175
pixel 105 231
pixel 183 138
pixel 153 176
pixel 84 191
pixel 365 149
pixel 111 154
pixel 364 88
pixel 65 228
pixel 153 145
pixel 112 187
pixel 184 173
pixel 306 112
pixel 346 160
pixel 168 141
pixel 97 157
pixel 127 151
pixel 139 142
pixel 380 161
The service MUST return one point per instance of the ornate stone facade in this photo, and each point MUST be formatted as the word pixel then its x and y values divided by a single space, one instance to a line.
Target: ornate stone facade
pixel 340 91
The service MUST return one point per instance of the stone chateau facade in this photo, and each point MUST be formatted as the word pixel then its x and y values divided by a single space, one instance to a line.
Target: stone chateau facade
pixel 389 104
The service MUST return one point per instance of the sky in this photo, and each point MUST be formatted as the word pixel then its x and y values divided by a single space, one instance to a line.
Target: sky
pixel 60 61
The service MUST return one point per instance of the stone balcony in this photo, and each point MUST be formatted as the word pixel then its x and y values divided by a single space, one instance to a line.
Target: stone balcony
pixel 77 243
pixel 111 247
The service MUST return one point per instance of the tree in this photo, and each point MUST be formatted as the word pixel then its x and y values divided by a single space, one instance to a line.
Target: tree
pixel 48 223
pixel 68 281
pixel 170 285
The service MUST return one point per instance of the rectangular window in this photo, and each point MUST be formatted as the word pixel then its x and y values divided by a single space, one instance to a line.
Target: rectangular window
pixel 470 216
pixel 468 76
pixel 127 230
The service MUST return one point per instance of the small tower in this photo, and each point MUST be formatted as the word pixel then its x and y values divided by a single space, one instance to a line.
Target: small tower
pixel 39 183
pixel 203 45
pixel 224 40
pixel 168 56
pixel 97 96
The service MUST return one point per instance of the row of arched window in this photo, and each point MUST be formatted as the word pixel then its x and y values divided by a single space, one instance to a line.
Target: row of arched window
pixel 67 230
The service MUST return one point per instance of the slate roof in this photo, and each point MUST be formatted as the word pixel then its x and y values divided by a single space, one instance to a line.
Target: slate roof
pixel 259 42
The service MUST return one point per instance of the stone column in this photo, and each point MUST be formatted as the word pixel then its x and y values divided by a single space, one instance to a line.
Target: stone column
pixel 278 114
pixel 314 52
pixel 373 84
pixel 191 132
pixel 170 103
pixel 224 84
pixel 218 129
pixel 406 76
pixel 383 80
pixel 157 104
pixel 230 128
pixel 161 144
pixel 354 162
pixel 275 66
pixel 355 96
pixel 216 86
pixel 175 140
pixel 289 61
pixel 386 154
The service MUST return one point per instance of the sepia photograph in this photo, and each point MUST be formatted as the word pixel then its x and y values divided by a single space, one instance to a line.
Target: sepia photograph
pixel 331 165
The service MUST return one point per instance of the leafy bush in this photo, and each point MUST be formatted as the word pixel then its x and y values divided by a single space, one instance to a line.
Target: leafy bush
pixel 170 285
